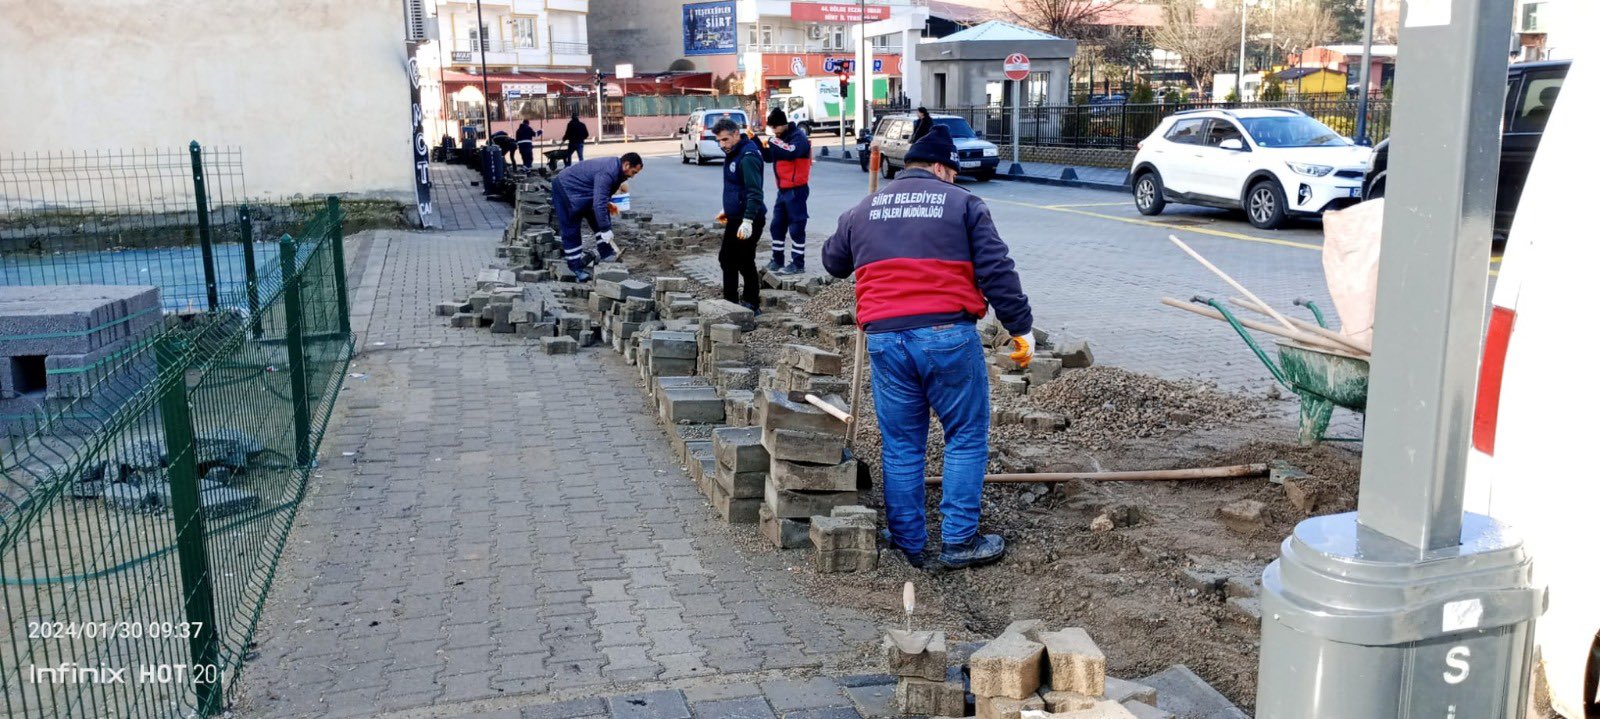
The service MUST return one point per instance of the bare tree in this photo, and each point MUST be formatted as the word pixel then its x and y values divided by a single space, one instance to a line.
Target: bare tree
pixel 1200 36
pixel 1063 18
pixel 1299 24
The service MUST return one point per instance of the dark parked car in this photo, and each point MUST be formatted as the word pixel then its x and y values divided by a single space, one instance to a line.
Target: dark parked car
pixel 1531 90
pixel 978 157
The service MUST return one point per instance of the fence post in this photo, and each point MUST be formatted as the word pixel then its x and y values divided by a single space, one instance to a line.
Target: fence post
pixel 294 342
pixel 203 216
pixel 188 519
pixel 1122 134
pixel 336 236
pixel 247 236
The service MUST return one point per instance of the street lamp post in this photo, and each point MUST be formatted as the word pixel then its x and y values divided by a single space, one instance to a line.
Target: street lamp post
pixel 483 65
pixel 1366 77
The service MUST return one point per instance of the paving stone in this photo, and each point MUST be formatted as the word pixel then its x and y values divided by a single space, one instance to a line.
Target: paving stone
pixel 916 654
pixel 1122 690
pixel 741 485
pixel 795 446
pixel 1007 707
pixel 876 701
pixel 805 477
pixel 740 449
pixel 824 713
pixel 811 359
pixel 559 345
pixel 663 704
pixel 1076 355
pixel 795 505
pixel 734 510
pixel 1244 516
pixel 669 367
pixel 726 334
pixel 833 561
pixel 776 410
pixel 1061 702
pixel 674 345
pixel 930 698
pixel 1076 663
pixel 566 709
pixel 745 708
pixel 787 695
pixel 723 312
pixel 715 692
pixel 697 405
pixel 1142 710
pixel 782 532
pixel 1182 692
pixel 1101 710
pixel 1008 666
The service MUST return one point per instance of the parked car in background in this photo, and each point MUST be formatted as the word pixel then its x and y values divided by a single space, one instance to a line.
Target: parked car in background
pixel 696 142
pixel 978 157
pixel 1531 90
pixel 1274 163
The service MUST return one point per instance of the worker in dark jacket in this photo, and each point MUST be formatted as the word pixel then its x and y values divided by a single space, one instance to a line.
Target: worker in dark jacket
pixel 924 124
pixel 525 135
pixel 789 151
pixel 583 193
pixel 744 211
pixel 577 134
pixel 928 263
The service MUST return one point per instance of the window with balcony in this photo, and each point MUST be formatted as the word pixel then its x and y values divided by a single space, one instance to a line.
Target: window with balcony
pixel 836 33
pixel 766 36
pixel 525 33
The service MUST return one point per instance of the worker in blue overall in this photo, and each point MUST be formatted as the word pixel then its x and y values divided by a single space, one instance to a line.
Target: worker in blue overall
pixel 582 193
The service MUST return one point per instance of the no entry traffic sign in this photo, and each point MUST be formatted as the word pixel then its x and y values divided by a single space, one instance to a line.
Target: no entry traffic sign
pixel 1016 66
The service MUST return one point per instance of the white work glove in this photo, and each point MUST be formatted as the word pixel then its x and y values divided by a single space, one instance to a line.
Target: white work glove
pixel 603 237
pixel 1024 349
pixel 746 229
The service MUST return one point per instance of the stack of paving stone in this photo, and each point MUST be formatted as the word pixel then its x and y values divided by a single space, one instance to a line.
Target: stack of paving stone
pixel 58 342
pixel 920 663
pixel 845 541
pixel 738 484
pixel 810 473
pixel 1028 669
pixel 506 306
pixel 1010 380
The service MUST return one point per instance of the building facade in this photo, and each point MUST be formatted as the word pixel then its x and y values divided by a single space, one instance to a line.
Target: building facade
pixel 1540 34
pixel 515 35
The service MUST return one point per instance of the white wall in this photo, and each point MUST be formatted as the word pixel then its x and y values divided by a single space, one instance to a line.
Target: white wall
pixel 314 93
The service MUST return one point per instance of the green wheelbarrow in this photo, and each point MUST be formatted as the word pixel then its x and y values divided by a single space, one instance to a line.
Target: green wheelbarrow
pixel 1322 379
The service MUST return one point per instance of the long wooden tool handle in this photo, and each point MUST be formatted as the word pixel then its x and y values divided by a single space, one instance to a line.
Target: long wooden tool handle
pixel 856 374
pixel 1232 282
pixel 1152 475
pixel 1305 338
pixel 821 404
pixel 1316 329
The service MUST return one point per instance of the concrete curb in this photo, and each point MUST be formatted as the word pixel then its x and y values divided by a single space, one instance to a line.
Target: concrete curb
pixel 1030 179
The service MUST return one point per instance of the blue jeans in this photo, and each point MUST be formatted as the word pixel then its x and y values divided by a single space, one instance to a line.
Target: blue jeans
pixel 940 368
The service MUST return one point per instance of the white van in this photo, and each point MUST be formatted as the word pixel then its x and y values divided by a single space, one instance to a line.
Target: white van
pixel 1532 429
pixel 696 143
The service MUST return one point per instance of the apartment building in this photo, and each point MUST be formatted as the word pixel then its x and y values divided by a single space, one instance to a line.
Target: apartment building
pixel 515 35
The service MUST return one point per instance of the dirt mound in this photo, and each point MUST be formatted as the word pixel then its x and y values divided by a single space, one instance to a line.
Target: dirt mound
pixel 1107 405
pixel 836 296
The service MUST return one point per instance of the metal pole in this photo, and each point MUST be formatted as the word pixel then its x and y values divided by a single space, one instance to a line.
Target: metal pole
pixel 483 66
pixel 247 237
pixel 1430 326
pixel 1238 80
pixel 294 343
pixel 189 523
pixel 1016 128
pixel 203 220
pixel 336 237
pixel 1366 77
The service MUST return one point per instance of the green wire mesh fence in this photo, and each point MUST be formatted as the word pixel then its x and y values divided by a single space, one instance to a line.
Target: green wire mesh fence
pixel 141 524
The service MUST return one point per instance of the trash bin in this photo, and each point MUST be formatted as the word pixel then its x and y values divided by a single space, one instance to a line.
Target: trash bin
pixel 1356 624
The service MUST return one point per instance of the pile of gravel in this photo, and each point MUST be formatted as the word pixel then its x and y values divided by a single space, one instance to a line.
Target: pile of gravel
pixel 1104 405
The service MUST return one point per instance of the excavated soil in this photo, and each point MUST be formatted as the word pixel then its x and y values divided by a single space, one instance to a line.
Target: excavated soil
pixel 1133 587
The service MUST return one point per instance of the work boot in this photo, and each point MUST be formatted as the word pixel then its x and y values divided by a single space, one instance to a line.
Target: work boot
pixel 916 560
pixel 606 250
pixel 582 276
pixel 795 267
pixel 980 550
pixel 776 265
pixel 752 308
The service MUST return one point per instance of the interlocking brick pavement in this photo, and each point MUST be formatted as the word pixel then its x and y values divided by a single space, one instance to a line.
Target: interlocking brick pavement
pixel 493 531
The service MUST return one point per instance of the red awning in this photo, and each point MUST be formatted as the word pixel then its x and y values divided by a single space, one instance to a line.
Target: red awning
pixel 576 83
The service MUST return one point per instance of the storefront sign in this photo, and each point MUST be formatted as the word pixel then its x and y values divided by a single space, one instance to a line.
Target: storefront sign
pixel 419 141
pixel 835 12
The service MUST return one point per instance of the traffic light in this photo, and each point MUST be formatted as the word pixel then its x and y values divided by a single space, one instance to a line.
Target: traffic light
pixel 844 85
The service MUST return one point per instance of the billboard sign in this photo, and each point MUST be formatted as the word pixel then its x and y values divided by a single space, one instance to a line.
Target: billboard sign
pixel 835 12
pixel 709 28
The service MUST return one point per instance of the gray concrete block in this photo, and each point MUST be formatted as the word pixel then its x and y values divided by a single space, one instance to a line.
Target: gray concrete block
pixel 740 449
pixel 784 532
pixel 726 334
pixel 811 359
pixel 673 345
pixel 559 345
pixel 719 312
pixel 1010 666
pixel 924 655
pixel 667 367
pixel 697 405
pixel 734 510
pixel 776 410
pixel 637 288
pixel 803 477
pixel 1182 692
pixel 1076 662
pixel 793 505
pixel 794 446
pixel 741 485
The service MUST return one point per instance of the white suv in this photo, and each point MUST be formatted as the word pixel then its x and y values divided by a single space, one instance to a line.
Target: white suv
pixel 1271 162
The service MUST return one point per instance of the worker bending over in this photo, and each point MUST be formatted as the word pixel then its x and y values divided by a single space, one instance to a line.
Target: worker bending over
pixel 583 193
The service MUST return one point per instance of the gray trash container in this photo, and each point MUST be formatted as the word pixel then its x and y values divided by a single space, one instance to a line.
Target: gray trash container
pixel 1357 625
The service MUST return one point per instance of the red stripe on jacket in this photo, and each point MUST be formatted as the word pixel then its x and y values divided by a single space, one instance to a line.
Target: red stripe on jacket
pixel 905 287
pixel 793 173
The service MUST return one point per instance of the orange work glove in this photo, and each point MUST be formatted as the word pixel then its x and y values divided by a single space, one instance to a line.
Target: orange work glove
pixel 1024 353
pixel 611 207
pixel 722 218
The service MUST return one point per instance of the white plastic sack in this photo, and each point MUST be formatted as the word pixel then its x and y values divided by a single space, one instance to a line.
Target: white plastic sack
pixel 1350 242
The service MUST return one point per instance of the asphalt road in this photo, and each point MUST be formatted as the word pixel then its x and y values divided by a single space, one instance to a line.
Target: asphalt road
pixel 1093 267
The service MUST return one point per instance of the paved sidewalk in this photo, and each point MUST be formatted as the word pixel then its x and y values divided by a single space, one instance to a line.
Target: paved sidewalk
pixel 498 532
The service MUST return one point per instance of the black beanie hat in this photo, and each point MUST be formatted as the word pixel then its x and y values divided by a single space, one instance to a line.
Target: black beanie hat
pixel 776 117
pixel 936 146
